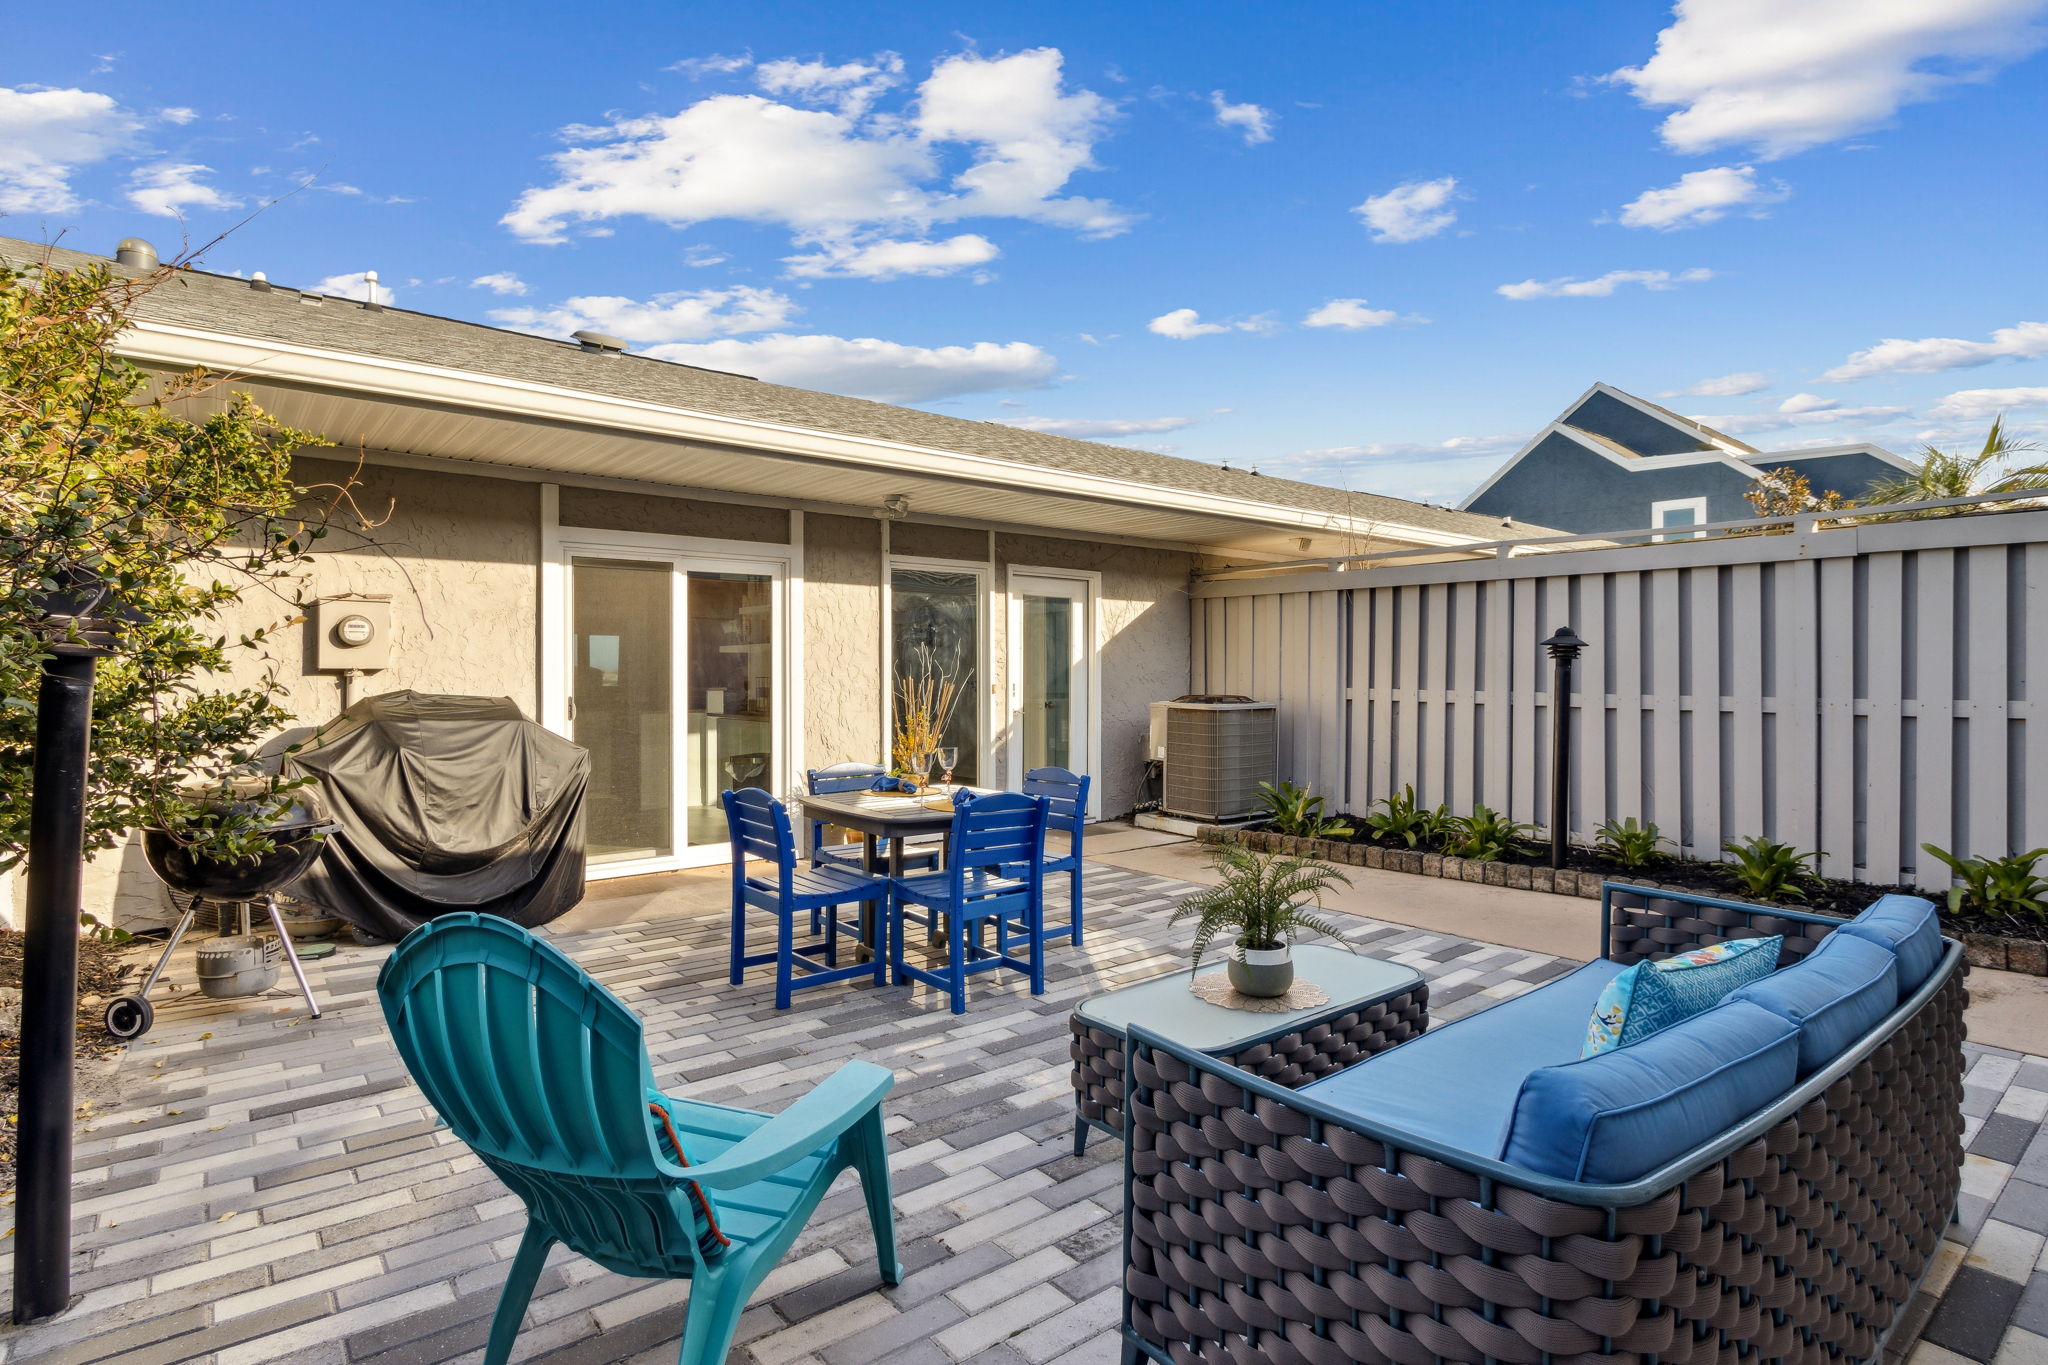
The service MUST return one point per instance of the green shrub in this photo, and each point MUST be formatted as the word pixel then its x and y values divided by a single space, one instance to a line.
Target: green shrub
pixel 1298 811
pixel 1996 886
pixel 1403 817
pixel 1770 871
pixel 1485 835
pixel 1634 846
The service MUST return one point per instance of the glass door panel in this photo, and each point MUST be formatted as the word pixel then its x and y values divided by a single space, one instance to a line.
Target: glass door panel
pixel 622 704
pixel 731 693
pixel 1048 712
pixel 935 642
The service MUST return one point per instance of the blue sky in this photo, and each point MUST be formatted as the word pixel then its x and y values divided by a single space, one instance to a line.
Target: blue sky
pixel 1373 245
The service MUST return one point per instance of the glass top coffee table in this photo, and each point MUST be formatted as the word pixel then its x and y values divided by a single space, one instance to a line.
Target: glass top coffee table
pixel 1373 1005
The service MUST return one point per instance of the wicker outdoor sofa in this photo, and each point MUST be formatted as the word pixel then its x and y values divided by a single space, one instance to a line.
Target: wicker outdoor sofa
pixel 1263 1227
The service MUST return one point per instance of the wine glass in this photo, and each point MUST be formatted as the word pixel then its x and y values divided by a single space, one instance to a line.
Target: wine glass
pixel 916 767
pixel 948 758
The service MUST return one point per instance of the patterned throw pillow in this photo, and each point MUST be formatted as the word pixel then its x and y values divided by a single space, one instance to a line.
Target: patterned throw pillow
pixel 1652 996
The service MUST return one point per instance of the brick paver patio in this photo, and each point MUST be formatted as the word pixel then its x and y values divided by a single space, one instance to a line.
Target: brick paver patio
pixel 270 1189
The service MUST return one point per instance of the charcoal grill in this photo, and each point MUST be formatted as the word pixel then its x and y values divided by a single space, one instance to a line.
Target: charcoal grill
pixel 295 830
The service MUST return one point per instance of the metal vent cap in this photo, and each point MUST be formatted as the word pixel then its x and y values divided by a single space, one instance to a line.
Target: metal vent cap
pixel 598 341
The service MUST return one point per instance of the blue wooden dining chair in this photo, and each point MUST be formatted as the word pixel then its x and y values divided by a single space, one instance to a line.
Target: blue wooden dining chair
pixel 1066 807
pixel 994 871
pixel 759 827
pixel 861 777
pixel 545 1074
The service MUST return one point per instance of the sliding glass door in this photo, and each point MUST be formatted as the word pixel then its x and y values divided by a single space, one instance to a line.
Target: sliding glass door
pixel 676 687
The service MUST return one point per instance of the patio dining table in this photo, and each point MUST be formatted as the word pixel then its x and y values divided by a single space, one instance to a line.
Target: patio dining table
pixel 889 818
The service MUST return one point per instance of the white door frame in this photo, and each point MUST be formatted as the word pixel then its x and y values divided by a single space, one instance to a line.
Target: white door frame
pixel 1089 758
pixel 983 645
pixel 782 564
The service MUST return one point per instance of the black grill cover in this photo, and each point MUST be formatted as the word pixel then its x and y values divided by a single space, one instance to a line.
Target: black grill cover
pixel 445 804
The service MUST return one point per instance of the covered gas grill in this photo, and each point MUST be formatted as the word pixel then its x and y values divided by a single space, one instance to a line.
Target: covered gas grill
pixel 443 803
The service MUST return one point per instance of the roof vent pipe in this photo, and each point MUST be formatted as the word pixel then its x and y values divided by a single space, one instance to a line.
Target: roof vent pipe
pixel 136 254
pixel 598 341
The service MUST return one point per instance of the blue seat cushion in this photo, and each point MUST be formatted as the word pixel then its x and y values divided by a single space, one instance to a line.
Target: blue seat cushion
pixel 1619 1115
pixel 1910 927
pixel 1652 996
pixel 1833 997
pixel 1489 1054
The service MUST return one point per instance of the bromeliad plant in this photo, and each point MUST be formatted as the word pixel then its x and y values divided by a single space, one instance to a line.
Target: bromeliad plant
pixel 1262 902
pixel 1635 846
pixel 1403 817
pixel 1484 836
pixel 1768 870
pixel 1299 812
pixel 1996 887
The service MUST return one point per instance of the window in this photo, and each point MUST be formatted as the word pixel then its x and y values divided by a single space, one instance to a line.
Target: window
pixel 1679 512
pixel 935 645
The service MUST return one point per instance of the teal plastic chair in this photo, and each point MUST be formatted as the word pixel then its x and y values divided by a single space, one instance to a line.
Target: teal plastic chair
pixel 544 1073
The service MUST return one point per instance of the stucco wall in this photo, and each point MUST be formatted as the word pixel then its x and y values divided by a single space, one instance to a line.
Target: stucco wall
pixel 608 509
pixel 1144 636
pixel 842 640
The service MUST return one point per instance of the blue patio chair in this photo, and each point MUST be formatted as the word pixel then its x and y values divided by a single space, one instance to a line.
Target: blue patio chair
pixel 544 1073
pixel 1066 803
pixel 861 777
pixel 994 870
pixel 759 828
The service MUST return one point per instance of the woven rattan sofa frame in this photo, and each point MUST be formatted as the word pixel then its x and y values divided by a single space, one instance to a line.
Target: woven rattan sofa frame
pixel 1752 1247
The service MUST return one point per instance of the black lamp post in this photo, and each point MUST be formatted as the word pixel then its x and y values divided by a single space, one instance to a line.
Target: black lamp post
pixel 49 976
pixel 1564 646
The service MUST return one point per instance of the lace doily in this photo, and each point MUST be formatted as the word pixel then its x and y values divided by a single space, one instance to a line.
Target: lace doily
pixel 1215 988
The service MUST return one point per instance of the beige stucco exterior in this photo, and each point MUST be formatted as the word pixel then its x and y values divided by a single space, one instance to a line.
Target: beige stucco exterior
pixel 459 555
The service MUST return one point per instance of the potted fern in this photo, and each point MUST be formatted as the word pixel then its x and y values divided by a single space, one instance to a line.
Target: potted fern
pixel 1263 902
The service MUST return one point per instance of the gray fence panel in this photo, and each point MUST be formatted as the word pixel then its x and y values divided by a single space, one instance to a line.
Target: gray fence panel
pixel 1859 691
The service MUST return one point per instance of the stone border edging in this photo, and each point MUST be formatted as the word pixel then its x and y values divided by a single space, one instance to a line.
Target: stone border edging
pixel 2027 956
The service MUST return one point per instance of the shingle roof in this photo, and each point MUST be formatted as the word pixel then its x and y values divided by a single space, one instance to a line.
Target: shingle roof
pixel 228 304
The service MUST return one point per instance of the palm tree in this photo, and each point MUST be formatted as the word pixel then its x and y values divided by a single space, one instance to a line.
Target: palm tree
pixel 1940 474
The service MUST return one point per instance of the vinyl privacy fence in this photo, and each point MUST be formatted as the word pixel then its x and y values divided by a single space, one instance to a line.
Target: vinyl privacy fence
pixel 1859 690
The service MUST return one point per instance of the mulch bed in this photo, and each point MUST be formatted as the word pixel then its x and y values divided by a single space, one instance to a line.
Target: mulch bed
pixel 100 974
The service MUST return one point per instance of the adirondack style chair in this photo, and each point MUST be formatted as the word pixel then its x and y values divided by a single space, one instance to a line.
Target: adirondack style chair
pixel 759 825
pixel 544 1073
pixel 1066 810
pixel 994 871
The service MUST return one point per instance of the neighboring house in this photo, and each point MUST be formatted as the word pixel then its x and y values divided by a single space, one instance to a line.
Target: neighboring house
pixel 705 579
pixel 1613 462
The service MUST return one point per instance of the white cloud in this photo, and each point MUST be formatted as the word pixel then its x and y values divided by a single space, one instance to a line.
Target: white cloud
pixel 697 256
pixel 1254 121
pixel 1411 211
pixel 1931 355
pixel 357 285
pixel 1424 470
pixel 1749 423
pixel 501 282
pixel 168 188
pixel 869 368
pixel 1601 286
pixel 1978 405
pixel 47 134
pixel 1726 386
pixel 177 114
pixel 1350 314
pixel 1702 197
pixel 1088 427
pixel 1808 402
pixel 851 87
pixel 684 315
pixel 888 260
pixel 1185 324
pixel 1784 77
pixel 848 175
pixel 717 64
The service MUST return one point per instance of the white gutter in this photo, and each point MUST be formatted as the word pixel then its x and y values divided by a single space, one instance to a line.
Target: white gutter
pixel 187 347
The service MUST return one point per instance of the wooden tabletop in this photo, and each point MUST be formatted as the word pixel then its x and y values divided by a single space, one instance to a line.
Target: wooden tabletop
pixel 885 814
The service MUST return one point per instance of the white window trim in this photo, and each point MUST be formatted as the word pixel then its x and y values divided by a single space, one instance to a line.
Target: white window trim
pixel 1091 758
pixel 984 692
pixel 1697 506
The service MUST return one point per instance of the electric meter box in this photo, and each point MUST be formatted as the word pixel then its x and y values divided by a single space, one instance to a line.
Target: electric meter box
pixel 351 633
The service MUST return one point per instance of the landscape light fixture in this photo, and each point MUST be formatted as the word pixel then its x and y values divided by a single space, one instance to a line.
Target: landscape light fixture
pixel 1564 645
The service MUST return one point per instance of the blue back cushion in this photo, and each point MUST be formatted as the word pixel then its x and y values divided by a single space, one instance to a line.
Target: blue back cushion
pixel 1621 1114
pixel 1833 997
pixel 1910 927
